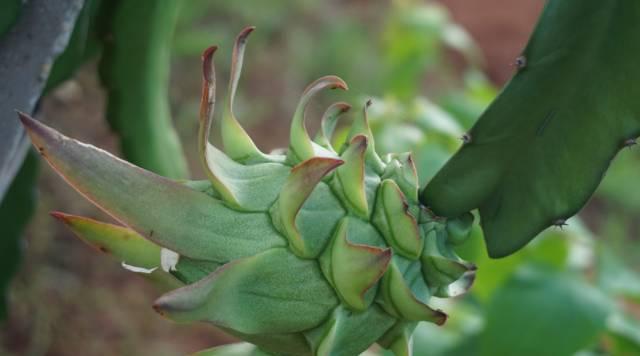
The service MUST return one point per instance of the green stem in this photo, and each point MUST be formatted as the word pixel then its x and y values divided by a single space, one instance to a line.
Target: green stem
pixel 135 71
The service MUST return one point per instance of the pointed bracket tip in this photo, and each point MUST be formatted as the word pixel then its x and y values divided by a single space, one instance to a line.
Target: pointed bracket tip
pixel 351 176
pixel 299 185
pixel 236 141
pixel 206 58
pixel 300 143
pixel 60 216
pixel 356 268
pixel 244 33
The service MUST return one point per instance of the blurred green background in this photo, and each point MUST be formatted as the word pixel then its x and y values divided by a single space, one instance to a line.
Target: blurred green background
pixel 431 67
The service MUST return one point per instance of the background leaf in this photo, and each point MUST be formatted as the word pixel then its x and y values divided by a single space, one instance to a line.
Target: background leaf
pixel 543 312
pixel 15 211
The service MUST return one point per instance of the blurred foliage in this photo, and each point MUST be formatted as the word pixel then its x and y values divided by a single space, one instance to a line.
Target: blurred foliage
pixel 84 44
pixel 15 211
pixel 9 14
pixel 9 249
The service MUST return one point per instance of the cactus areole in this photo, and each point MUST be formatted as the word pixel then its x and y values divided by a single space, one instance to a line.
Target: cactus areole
pixel 317 251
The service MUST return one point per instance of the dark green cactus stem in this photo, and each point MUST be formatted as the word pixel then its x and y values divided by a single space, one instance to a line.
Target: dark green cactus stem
pixel 15 212
pixel 84 44
pixel 540 150
pixel 9 14
pixel 135 70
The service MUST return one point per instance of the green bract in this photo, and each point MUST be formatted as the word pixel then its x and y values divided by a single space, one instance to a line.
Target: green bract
pixel 314 252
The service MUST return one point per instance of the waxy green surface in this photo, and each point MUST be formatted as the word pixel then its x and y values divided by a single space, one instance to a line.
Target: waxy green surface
pixel 540 150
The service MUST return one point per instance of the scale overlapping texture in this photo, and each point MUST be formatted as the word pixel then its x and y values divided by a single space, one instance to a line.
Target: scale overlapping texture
pixel 318 251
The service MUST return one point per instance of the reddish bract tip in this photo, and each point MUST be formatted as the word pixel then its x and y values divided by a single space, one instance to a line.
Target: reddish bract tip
pixel 25 119
pixel 341 85
pixel 342 107
pixel 360 141
pixel 207 57
pixel 38 132
pixel 327 163
pixel 242 36
pixel 208 53
pixel 65 218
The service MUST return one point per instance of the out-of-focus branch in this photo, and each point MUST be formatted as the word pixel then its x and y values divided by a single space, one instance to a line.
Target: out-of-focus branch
pixel 27 53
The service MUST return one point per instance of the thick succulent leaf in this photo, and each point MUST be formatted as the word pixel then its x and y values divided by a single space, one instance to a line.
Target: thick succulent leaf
pixel 351 176
pixel 359 232
pixel 301 147
pixel 459 229
pixel 237 143
pixel 275 344
pixel 402 170
pixel 299 185
pixel 241 349
pixel 360 126
pixel 537 154
pixel 343 333
pixel 400 300
pixel 189 270
pixel 170 214
pixel 439 269
pixel 318 217
pixel 446 274
pixel 251 188
pixel 398 339
pixel 123 244
pixel 396 223
pixel 328 124
pixel 542 304
pixel 271 343
pixel 271 292
pixel 355 268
